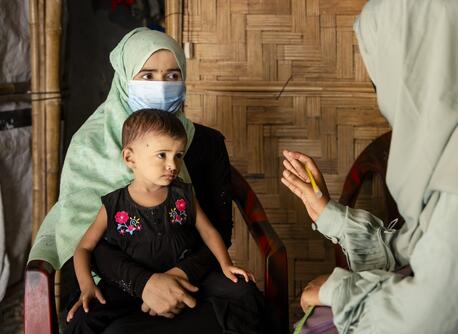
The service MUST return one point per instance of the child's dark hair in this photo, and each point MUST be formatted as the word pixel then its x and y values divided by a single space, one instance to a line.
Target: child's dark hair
pixel 143 121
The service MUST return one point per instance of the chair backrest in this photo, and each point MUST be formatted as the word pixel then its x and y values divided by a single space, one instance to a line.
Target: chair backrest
pixel 272 249
pixel 371 162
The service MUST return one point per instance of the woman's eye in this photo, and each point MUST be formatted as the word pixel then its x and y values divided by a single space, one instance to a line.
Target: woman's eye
pixel 174 76
pixel 179 156
pixel 161 155
pixel 147 76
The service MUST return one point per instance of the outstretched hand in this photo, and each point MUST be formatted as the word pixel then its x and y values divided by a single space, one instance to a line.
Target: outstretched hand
pixel 295 177
pixel 166 294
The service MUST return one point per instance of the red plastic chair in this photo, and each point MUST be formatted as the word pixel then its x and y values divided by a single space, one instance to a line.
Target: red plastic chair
pixel 39 306
pixel 372 161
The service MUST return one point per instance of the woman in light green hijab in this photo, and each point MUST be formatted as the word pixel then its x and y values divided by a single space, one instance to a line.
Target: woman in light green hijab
pixel 150 69
pixel 93 164
pixel 410 48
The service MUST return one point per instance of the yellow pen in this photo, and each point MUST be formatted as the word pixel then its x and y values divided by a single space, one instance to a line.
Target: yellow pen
pixel 317 190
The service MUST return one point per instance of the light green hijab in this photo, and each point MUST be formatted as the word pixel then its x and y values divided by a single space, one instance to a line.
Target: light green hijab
pixel 93 165
pixel 410 48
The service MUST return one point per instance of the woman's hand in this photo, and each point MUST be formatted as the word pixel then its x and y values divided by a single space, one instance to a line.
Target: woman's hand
pixel 86 295
pixel 310 294
pixel 166 295
pixel 231 271
pixel 175 271
pixel 296 179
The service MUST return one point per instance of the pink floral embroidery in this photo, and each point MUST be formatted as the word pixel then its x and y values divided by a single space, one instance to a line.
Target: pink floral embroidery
pixel 178 214
pixel 121 217
pixel 127 224
pixel 180 204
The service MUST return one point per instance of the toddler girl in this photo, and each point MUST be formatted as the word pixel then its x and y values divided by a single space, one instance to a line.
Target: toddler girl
pixel 155 219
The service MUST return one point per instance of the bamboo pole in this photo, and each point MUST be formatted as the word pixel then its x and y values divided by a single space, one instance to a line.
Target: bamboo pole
pixel 45 32
pixel 174 19
pixel 52 106
pixel 41 109
pixel 37 122
pixel 15 92
pixel 14 88
pixel 14 98
pixel 52 28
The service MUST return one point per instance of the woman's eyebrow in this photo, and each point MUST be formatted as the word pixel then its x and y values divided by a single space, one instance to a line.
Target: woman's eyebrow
pixel 156 70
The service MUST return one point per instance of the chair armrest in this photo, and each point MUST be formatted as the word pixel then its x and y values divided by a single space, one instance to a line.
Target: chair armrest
pixel 39 303
pixel 272 249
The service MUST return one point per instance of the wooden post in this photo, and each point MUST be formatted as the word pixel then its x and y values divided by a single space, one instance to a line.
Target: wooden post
pixel 53 101
pixel 38 130
pixel 174 19
pixel 45 32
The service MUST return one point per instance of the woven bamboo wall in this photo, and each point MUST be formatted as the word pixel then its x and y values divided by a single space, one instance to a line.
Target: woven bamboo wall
pixel 275 74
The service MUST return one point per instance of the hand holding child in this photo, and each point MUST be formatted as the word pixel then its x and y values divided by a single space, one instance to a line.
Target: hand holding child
pixel 230 272
pixel 85 297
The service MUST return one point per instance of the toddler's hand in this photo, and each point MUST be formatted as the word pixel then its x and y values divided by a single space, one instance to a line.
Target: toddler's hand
pixel 231 271
pixel 85 297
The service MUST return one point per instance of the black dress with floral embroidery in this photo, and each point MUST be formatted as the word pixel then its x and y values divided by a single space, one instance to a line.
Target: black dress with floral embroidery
pixel 156 237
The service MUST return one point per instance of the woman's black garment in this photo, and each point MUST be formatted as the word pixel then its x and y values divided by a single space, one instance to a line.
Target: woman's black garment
pixel 240 308
pixel 207 162
pixel 222 307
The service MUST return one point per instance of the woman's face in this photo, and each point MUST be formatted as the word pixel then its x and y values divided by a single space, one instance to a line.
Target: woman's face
pixel 160 66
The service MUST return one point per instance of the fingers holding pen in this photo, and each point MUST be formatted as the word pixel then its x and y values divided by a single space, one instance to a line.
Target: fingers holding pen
pixel 296 171
pixel 305 167
pixel 295 166
pixel 306 183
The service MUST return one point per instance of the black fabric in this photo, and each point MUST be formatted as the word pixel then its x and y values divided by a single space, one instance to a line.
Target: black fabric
pixel 222 307
pixel 199 320
pixel 239 307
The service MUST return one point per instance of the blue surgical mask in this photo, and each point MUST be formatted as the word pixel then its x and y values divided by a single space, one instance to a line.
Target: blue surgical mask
pixel 163 95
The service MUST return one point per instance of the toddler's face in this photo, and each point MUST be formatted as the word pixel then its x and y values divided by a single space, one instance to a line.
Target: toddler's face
pixel 155 159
